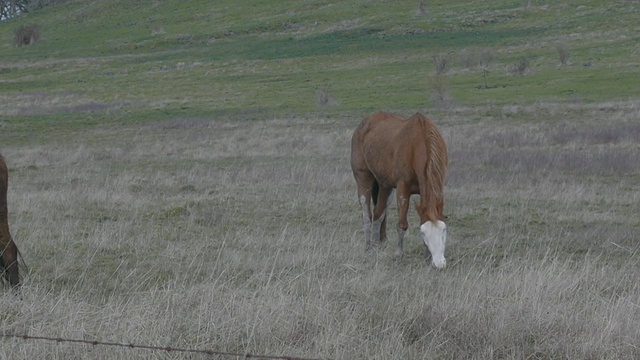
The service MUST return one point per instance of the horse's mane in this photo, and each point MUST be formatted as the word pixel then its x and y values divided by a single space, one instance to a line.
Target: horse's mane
pixel 436 167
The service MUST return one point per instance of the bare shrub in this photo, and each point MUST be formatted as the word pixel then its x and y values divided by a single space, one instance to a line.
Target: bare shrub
pixel 440 63
pixel 525 3
pixel 519 68
pixel 157 30
pixel 478 59
pixel 563 54
pixel 324 98
pixel 26 35
pixel 439 91
pixel 422 9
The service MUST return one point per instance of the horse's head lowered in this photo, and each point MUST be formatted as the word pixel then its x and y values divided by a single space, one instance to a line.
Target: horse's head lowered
pixel 434 236
pixel 433 233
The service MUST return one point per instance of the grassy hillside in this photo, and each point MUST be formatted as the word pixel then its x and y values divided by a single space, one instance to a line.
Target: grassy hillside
pixel 142 60
pixel 179 176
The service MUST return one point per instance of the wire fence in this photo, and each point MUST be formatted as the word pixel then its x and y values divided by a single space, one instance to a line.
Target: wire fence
pixel 156 348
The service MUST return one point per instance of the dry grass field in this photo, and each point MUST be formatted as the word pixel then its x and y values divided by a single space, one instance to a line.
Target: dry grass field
pixel 245 236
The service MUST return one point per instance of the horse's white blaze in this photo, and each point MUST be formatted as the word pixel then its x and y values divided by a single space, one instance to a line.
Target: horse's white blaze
pixel 434 235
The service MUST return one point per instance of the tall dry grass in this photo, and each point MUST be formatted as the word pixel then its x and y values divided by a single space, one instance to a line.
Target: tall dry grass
pixel 245 236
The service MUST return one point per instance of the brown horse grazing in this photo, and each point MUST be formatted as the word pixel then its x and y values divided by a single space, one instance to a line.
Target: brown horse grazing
pixel 8 249
pixel 410 156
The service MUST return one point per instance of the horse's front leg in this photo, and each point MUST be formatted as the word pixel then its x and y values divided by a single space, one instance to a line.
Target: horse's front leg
pixel 402 199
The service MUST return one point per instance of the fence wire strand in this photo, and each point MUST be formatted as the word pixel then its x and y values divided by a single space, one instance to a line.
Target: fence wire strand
pixel 151 347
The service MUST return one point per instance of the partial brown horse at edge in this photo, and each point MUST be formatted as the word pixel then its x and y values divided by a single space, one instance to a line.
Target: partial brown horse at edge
pixel 8 249
pixel 410 156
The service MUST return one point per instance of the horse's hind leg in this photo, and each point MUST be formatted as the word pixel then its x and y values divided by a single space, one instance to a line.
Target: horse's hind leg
pixel 365 182
pixel 375 197
pixel 379 215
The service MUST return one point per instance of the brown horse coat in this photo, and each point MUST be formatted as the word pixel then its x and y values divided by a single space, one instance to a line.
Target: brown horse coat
pixel 8 249
pixel 389 152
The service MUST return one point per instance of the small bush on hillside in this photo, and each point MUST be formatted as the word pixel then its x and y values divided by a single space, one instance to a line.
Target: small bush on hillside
pixel 157 30
pixel 26 35
pixel 519 68
pixel 563 54
pixel 324 98
pixel 440 63
pixel 439 91
pixel 477 59
pixel 422 9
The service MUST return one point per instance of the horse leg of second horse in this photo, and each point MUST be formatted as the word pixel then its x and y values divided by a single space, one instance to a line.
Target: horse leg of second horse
pixel 10 260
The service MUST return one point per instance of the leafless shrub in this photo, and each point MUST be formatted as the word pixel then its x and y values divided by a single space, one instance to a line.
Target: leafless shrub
pixel 324 98
pixel 439 91
pixel 525 3
pixel 440 62
pixel 422 9
pixel 26 35
pixel 477 59
pixel 157 30
pixel 519 68
pixel 563 54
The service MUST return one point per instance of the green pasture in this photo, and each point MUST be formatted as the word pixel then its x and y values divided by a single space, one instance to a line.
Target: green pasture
pixel 138 61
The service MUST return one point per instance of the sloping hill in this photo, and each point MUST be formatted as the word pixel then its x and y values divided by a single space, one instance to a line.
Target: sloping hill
pixel 225 57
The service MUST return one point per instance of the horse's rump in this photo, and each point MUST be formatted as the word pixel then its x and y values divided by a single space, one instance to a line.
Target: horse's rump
pixel 394 149
pixel 373 146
